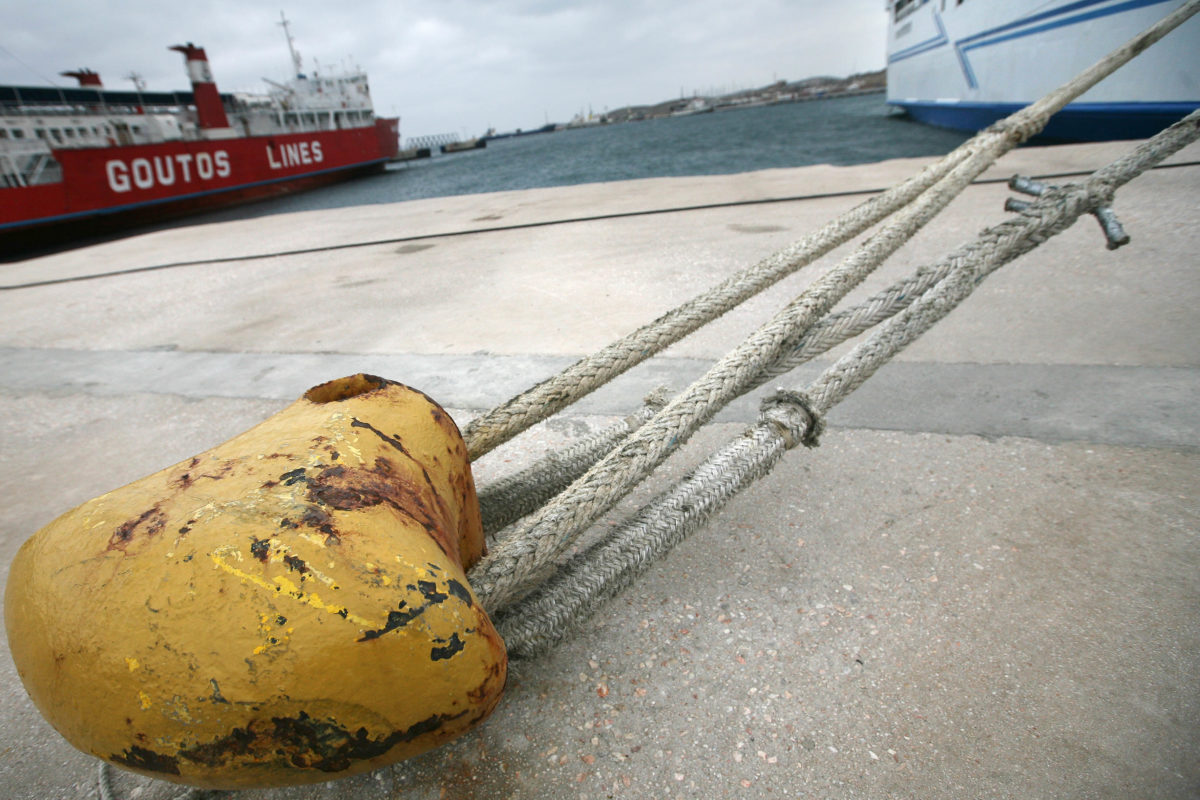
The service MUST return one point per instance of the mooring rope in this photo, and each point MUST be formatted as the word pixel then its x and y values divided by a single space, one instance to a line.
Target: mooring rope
pixel 516 565
pixel 504 501
pixel 105 788
pixel 789 418
pixel 547 398
pixel 517 562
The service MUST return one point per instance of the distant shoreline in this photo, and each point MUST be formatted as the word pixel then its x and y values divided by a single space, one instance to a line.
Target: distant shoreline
pixel 817 88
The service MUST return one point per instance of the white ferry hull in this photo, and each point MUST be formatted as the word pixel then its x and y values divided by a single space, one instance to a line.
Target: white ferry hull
pixel 963 64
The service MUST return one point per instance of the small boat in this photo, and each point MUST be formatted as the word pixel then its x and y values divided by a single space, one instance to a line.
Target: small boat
pixel 86 159
pixel 964 64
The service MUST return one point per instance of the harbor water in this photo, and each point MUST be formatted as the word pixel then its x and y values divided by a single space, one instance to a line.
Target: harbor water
pixel 841 131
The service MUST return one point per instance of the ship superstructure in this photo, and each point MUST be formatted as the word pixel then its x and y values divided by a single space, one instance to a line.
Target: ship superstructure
pixel 964 64
pixel 79 153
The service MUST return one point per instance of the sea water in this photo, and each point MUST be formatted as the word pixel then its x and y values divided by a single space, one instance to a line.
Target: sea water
pixel 840 131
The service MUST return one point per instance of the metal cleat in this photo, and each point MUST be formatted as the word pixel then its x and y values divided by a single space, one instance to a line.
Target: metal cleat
pixel 1114 232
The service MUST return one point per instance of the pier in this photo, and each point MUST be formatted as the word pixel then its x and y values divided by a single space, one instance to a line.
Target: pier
pixel 983 582
pixel 422 146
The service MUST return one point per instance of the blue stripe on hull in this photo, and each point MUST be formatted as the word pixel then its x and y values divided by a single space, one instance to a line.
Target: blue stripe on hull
pixel 1084 122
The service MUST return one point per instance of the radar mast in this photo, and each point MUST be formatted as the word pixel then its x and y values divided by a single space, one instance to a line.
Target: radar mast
pixel 283 23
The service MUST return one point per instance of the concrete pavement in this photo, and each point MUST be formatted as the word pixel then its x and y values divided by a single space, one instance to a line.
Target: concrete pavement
pixel 985 582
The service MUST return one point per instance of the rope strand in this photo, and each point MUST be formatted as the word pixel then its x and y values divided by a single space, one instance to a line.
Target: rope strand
pixel 563 602
pixel 547 398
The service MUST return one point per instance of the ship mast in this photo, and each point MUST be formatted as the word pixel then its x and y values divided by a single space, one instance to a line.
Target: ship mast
pixel 283 22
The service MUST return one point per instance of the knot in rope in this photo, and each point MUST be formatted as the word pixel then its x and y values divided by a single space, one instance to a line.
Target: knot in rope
pixel 1016 131
pixel 794 416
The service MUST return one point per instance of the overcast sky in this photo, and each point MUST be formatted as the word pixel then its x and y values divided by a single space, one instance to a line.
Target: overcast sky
pixel 456 66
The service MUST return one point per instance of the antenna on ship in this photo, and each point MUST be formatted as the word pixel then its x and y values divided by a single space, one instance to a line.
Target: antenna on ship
pixel 139 85
pixel 283 22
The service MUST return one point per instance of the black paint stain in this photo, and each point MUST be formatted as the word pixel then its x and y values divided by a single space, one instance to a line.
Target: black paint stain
pixel 293 476
pixel 458 590
pixel 260 549
pixel 392 440
pixel 140 758
pixel 296 563
pixel 429 591
pixel 395 619
pixel 306 743
pixel 452 648
pixel 405 614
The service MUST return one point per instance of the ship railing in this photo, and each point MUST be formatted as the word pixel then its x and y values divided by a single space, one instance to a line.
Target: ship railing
pixel 27 163
pixel 25 109
pixel 261 122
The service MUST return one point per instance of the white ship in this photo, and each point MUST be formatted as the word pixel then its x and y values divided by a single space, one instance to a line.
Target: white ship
pixel 964 64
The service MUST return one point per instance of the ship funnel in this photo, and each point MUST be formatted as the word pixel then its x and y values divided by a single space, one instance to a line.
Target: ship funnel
pixel 85 77
pixel 210 111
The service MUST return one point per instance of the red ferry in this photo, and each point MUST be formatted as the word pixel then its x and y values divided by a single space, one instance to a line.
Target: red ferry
pixel 85 159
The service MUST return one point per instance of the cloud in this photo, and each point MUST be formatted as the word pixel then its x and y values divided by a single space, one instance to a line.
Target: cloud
pixel 460 65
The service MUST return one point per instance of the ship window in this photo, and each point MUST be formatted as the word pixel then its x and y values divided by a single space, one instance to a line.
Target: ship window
pixel 40 133
pixel 3 133
pixel 18 133
pixel 905 7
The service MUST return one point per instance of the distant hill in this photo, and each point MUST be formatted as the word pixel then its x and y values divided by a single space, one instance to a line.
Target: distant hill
pixel 814 88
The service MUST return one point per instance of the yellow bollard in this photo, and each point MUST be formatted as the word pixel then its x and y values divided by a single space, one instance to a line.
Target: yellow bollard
pixel 289 607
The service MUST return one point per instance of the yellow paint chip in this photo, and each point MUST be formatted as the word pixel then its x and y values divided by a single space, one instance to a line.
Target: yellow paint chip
pixel 288 589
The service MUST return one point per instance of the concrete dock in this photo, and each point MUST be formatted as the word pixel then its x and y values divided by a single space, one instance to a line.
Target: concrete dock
pixel 984 583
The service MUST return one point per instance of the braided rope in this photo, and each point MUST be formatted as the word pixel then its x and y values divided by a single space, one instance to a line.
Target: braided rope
pixel 105 788
pixel 597 575
pixel 511 569
pixel 504 501
pixel 514 565
pixel 837 328
pixel 547 398
pixel 1053 212
pixel 563 602
pixel 544 399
